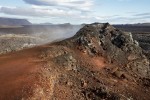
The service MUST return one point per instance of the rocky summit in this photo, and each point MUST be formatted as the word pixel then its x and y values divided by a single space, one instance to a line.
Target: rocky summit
pixel 99 63
pixel 115 45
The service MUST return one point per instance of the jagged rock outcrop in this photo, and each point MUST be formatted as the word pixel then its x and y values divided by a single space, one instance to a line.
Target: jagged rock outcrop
pixel 115 45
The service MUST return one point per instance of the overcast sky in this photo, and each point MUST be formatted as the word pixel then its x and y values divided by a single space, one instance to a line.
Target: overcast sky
pixel 77 11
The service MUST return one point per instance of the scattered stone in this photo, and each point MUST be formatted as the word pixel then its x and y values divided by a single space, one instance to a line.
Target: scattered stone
pixel 132 57
pixel 146 82
pixel 114 69
pixel 84 84
pixel 69 83
pixel 119 74
pixel 100 94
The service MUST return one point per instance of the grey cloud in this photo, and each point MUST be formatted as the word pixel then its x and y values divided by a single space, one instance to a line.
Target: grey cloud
pixel 51 2
pixel 142 14
pixel 19 11
pixel 81 5
pixel 124 20
pixel 39 2
pixel 39 12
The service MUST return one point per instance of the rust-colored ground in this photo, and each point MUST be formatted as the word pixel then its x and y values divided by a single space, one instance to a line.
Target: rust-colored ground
pixel 18 71
pixel 33 74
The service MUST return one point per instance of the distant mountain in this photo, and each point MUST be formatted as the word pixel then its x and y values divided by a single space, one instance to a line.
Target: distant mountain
pixel 143 24
pixel 13 21
pixel 136 24
pixel 134 28
pixel 43 24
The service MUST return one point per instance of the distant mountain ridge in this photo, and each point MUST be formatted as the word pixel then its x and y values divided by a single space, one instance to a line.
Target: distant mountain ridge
pixel 14 21
pixel 136 24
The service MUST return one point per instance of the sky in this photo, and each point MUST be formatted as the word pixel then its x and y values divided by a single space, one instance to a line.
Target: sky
pixel 77 11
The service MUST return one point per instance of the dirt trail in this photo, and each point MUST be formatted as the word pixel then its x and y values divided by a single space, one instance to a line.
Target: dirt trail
pixel 17 71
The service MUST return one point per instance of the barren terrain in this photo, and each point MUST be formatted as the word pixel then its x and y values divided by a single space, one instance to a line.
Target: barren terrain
pixel 99 63
pixel 17 38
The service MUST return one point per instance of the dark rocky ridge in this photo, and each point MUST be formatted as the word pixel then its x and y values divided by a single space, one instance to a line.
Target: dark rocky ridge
pixel 141 33
pixel 124 60
pixel 115 45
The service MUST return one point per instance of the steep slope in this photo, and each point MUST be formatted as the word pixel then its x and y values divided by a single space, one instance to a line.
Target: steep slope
pixel 98 63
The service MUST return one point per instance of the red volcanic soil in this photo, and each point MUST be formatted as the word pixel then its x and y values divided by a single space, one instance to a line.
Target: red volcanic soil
pixel 18 71
pixel 21 76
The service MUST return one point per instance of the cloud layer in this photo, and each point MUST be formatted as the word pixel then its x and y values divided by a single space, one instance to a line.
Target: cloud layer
pixel 37 12
pixel 60 9
pixel 76 11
